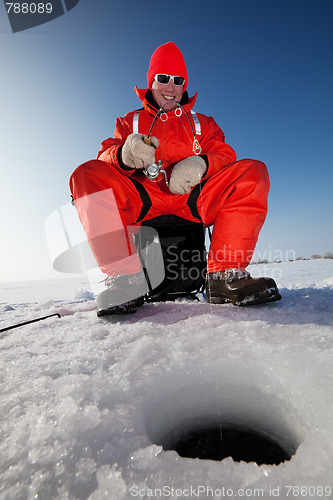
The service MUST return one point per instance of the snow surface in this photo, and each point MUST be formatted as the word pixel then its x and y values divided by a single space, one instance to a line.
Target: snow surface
pixel 87 402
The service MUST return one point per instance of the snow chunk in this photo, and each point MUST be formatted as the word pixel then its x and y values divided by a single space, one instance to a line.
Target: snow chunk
pixel 111 484
pixel 83 294
pixel 8 308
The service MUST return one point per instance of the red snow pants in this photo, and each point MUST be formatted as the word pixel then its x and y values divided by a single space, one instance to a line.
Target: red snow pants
pixel 233 201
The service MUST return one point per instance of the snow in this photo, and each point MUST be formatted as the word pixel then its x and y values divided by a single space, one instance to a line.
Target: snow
pixel 87 403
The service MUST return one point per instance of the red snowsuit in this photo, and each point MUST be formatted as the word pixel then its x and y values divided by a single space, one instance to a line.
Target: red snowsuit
pixel 232 195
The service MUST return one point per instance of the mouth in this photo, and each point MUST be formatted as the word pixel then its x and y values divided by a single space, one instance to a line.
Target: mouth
pixel 169 98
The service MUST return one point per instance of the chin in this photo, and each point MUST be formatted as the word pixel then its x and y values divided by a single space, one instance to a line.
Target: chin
pixel 169 106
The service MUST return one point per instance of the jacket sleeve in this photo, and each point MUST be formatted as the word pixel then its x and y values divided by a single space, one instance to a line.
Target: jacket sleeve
pixel 218 152
pixel 111 148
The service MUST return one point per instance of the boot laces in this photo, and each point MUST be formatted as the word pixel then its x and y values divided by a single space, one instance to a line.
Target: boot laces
pixel 124 280
pixel 230 275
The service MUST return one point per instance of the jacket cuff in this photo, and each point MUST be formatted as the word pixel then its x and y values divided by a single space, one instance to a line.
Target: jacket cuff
pixel 120 161
pixel 205 158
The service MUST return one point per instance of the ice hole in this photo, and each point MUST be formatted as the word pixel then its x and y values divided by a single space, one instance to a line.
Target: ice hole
pixel 218 419
pixel 241 444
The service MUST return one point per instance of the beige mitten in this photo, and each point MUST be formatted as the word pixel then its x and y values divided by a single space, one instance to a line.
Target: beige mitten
pixel 186 174
pixel 137 154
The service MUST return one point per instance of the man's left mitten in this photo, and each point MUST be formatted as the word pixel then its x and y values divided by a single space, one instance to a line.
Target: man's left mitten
pixel 186 174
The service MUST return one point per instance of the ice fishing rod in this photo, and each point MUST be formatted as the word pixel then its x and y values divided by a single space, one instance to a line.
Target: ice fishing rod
pixel 28 322
pixel 154 170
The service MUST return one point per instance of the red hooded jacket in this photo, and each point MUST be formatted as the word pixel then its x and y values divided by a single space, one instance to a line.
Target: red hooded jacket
pixel 175 135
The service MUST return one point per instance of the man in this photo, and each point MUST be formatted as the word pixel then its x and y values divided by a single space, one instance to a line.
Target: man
pixel 204 184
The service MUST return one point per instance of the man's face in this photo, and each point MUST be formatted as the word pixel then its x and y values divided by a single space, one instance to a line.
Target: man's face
pixel 164 93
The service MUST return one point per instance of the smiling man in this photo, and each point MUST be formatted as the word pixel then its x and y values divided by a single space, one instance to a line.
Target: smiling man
pixel 204 184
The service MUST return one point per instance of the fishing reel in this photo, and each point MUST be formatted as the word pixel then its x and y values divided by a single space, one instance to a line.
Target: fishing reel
pixel 155 172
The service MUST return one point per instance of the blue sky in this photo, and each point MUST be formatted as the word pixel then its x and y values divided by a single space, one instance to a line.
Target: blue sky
pixel 262 68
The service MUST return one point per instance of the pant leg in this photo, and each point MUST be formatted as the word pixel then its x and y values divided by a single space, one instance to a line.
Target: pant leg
pixel 235 201
pixel 108 206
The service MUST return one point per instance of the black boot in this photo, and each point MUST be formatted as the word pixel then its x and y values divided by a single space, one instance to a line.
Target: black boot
pixel 237 286
pixel 124 294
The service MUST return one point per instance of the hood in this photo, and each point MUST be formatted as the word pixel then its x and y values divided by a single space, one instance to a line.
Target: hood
pixel 141 93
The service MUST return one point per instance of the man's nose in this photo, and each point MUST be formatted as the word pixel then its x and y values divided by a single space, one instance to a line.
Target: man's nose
pixel 171 84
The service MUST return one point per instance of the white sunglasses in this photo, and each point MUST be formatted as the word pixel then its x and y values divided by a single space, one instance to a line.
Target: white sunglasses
pixel 165 79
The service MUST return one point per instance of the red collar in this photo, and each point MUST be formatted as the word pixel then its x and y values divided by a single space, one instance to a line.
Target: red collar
pixel 141 93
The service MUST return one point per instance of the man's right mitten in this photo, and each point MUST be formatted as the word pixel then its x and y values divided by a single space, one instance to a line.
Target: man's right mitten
pixel 136 154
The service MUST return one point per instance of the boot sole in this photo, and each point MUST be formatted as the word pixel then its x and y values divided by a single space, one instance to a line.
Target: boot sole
pixel 126 308
pixel 246 301
pixel 116 310
pixel 244 292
